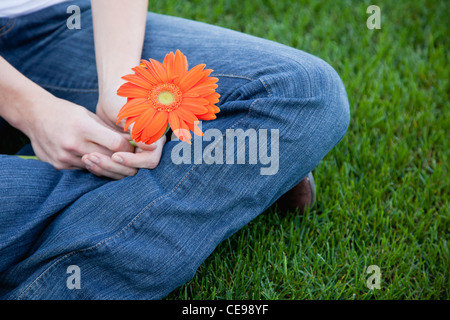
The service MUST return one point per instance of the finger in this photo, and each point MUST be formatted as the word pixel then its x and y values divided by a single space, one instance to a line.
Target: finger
pixel 142 158
pixel 76 163
pixel 68 162
pixel 146 147
pixel 63 161
pixel 118 129
pixel 147 159
pixel 102 165
pixel 109 138
pixel 91 147
pixel 150 147
pixel 94 171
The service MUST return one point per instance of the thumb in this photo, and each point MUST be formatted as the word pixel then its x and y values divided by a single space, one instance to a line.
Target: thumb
pixel 145 147
pixel 109 138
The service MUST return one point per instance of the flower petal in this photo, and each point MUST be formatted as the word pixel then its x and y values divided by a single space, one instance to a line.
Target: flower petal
pixel 208 80
pixel 203 89
pixel 174 121
pixel 139 81
pixel 191 78
pixel 180 65
pixel 131 104
pixel 143 121
pixel 183 132
pixel 212 98
pixel 212 108
pixel 150 68
pixel 134 111
pixel 158 122
pixel 130 90
pixel 193 106
pixel 169 64
pixel 144 73
pixel 160 70
pixel 155 137
pixel 207 116
pixel 190 94
pixel 129 121
pixel 196 101
pixel 186 115
pixel 194 128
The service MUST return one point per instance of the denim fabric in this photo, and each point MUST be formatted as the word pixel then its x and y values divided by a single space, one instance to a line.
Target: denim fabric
pixel 143 236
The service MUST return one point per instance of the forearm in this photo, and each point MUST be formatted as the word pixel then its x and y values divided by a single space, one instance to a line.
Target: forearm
pixel 119 29
pixel 20 97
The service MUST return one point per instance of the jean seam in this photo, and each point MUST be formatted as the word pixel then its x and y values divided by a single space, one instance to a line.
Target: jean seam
pixel 230 75
pixel 129 224
pixel 266 87
pixel 174 256
pixel 10 28
pixel 305 69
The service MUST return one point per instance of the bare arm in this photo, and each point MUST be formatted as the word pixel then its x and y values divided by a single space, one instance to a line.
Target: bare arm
pixel 16 107
pixel 119 30
pixel 60 131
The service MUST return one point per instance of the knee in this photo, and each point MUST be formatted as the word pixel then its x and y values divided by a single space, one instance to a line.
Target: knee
pixel 313 94
pixel 329 90
pixel 332 110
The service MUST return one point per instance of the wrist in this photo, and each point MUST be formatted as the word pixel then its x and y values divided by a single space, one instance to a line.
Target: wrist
pixel 110 74
pixel 24 111
pixel 109 105
pixel 21 98
pixel 107 90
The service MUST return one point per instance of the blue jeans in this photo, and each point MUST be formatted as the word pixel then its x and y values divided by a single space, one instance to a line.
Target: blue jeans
pixel 145 235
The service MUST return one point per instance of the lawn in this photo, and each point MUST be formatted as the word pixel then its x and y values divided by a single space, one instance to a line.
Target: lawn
pixel 383 191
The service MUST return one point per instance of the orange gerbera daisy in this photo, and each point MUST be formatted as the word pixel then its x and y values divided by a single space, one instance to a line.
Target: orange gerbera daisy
pixel 167 94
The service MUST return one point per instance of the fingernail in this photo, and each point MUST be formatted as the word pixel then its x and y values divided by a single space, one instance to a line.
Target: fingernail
pixel 94 159
pixel 88 163
pixel 117 158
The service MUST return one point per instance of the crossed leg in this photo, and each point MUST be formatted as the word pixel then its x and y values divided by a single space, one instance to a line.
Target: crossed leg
pixel 143 236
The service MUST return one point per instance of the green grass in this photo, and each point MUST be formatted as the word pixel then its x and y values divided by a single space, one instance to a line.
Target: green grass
pixel 383 191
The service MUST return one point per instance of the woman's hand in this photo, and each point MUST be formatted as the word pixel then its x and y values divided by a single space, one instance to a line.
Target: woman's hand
pixel 121 25
pixel 122 163
pixel 61 132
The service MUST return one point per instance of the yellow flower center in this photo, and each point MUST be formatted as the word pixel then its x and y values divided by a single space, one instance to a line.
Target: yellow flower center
pixel 165 97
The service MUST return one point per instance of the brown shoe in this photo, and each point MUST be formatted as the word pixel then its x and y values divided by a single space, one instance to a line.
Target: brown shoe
pixel 300 197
